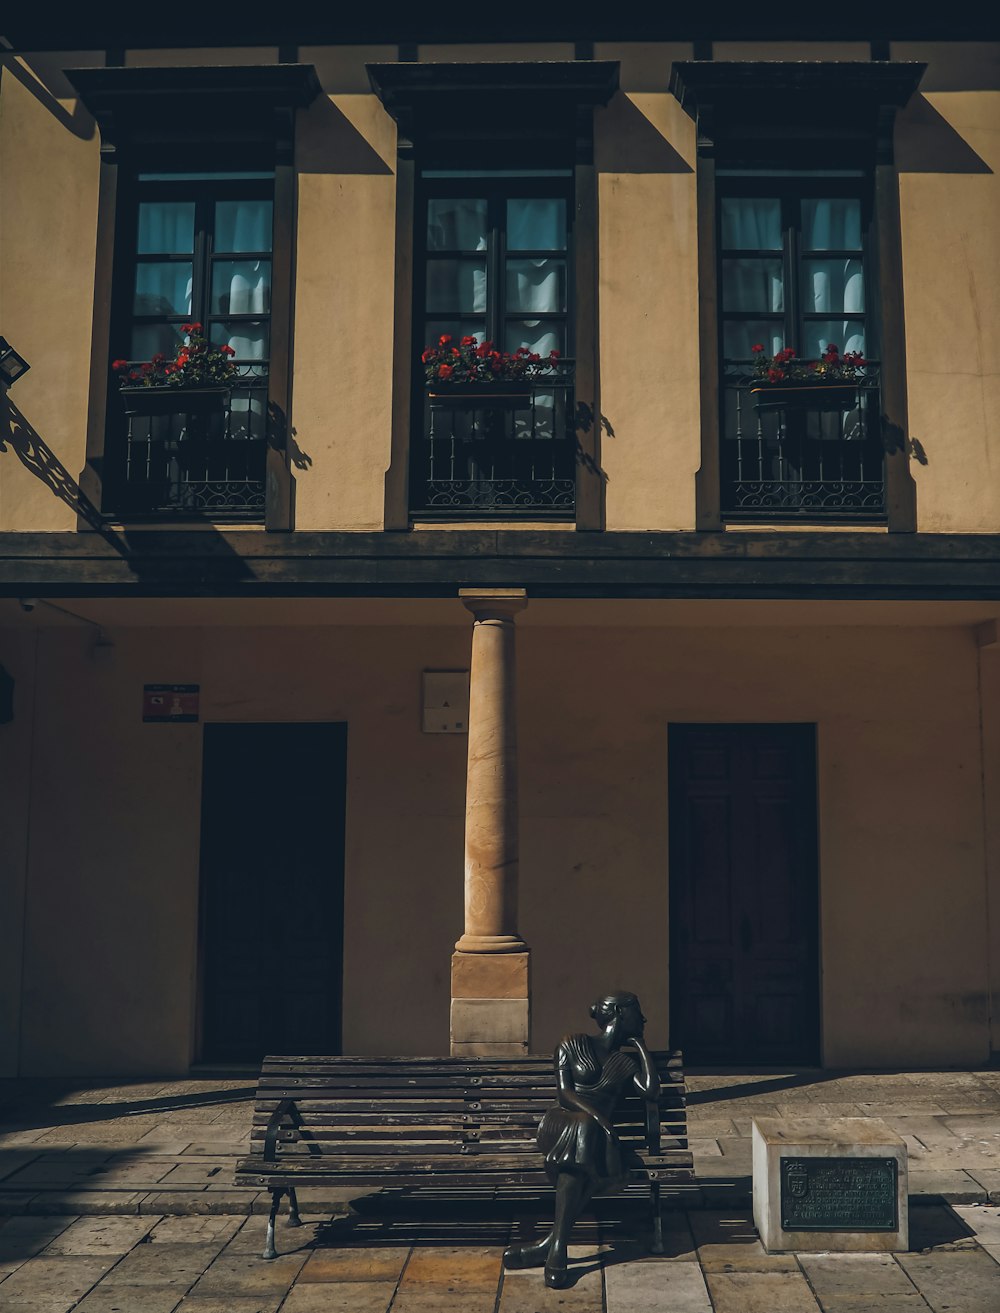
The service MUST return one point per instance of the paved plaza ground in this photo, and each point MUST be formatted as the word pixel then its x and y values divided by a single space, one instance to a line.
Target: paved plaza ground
pixel 118 1198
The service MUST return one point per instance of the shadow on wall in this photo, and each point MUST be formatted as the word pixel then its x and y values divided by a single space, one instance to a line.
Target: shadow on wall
pixel 639 146
pixel 328 142
pixel 37 456
pixel 48 85
pixel 927 143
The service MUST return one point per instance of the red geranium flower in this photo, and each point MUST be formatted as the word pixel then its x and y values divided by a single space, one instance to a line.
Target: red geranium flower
pixel 468 341
pixel 444 339
pixel 119 365
pixel 758 347
pixel 445 371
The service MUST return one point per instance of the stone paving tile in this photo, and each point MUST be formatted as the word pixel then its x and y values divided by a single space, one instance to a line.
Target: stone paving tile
pixel 189 1201
pixel 960 1281
pixel 349 1297
pixel 355 1264
pixel 984 1222
pixel 101 1235
pixel 989 1179
pixel 469 1268
pixel 194 1230
pixel 419 1298
pixel 955 1185
pixel 23 1237
pixel 51 1285
pixel 939 1227
pixel 729 1243
pixel 761 1292
pixel 163 1265
pixel 230 1304
pixel 130 1299
pixel 86 1202
pixel 525 1292
pixel 199 1172
pixel 704 1147
pixel 245 1274
pixel 643 1287
pixel 859 1281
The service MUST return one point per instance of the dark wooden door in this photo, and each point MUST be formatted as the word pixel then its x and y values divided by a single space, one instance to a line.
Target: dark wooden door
pixel 744 968
pixel 272 878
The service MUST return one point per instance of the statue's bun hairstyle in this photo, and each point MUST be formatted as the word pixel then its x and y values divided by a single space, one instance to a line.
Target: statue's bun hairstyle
pixel 607 1008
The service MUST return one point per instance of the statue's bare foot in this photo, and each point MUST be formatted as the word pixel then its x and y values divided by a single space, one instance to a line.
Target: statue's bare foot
pixel 520 1256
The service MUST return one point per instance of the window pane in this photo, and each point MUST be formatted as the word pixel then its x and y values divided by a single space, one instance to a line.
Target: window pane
pixel 536 225
pixel 833 286
pixel 166 227
pixel 457 328
pixel 243 225
pixel 148 339
pixel 241 287
pixel 848 335
pixel 163 289
pixel 536 285
pixel 739 338
pixel 537 335
pixel 456 225
pixel 832 225
pixel 752 285
pixel 458 286
pixel 751 223
pixel 248 340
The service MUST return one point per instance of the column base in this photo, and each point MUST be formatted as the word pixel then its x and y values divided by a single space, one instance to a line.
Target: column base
pixel 490 1004
pixel 491 944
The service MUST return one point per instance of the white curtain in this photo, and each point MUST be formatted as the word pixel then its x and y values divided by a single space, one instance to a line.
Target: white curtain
pixel 751 223
pixel 455 224
pixel 243 225
pixel 536 224
pixel 166 227
pixel 538 285
pixel 831 225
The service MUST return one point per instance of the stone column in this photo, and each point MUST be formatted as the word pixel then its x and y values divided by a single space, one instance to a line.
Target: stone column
pixel 490 967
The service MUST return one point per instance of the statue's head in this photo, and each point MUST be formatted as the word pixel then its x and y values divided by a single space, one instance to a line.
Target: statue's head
pixel 620 1010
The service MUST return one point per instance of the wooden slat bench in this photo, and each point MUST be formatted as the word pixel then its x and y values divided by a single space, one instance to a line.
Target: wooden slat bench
pixel 440 1122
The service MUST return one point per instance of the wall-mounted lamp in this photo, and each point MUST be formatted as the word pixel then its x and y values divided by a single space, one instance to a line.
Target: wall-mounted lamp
pixel 12 366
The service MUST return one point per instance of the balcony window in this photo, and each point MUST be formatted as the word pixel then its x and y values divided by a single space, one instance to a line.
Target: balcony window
pixel 198 249
pixel 795 272
pixel 494 261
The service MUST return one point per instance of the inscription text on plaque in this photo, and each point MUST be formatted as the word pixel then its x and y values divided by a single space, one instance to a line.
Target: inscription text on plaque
pixel 839 1194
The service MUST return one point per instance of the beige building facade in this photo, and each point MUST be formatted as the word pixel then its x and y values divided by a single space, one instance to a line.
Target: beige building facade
pixel 743 753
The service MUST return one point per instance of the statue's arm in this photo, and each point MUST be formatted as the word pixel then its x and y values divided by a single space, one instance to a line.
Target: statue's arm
pixel 647 1082
pixel 568 1095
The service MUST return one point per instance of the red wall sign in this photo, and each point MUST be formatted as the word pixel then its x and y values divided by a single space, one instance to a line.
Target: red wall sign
pixel 174 704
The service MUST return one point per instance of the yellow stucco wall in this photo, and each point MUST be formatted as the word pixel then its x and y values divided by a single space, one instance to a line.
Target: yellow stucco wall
pixel 948 154
pixel 948 146
pixel 111 918
pixel 49 153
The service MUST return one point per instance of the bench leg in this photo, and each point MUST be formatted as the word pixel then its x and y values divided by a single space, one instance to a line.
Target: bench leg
pixel 654 1192
pixel 269 1250
pixel 293 1208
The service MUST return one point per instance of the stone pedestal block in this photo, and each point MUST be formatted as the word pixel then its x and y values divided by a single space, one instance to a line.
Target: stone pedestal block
pixel 834 1184
pixel 490 1007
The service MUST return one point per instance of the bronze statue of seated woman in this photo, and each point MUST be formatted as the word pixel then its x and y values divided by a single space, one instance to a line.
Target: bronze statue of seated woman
pixel 583 1156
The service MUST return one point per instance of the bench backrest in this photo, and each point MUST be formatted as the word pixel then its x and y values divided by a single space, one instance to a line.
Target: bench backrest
pixel 371 1106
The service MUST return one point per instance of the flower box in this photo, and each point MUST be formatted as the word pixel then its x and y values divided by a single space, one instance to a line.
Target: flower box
pixel 489 394
pixel 172 400
pixel 806 394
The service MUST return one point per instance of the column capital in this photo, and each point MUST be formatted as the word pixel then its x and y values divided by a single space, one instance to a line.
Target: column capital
pixel 494 603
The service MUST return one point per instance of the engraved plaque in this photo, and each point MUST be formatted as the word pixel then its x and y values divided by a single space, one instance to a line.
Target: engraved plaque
pixel 839 1194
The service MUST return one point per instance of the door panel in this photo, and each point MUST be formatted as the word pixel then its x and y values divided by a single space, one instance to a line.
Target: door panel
pixel 743 893
pixel 272 858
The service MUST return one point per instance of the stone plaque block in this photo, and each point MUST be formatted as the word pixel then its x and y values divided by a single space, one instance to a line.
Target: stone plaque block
pixel 834 1184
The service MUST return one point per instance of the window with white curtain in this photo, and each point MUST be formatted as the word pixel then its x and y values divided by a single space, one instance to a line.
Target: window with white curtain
pixel 496 259
pixel 197 247
pixel 793 264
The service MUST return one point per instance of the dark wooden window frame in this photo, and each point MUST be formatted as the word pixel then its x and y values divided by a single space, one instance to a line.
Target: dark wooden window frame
pixel 196 118
pixel 495 115
pixel 793 187
pixel 843 117
pixel 496 186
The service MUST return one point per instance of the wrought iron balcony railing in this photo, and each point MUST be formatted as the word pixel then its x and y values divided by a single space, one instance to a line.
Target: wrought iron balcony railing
pixel 802 451
pixel 498 449
pixel 194 451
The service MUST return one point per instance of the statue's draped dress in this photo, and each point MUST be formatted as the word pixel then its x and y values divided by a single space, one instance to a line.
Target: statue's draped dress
pixel 572 1141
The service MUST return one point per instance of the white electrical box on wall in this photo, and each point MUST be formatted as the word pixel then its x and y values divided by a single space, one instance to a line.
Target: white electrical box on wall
pixel 446 702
